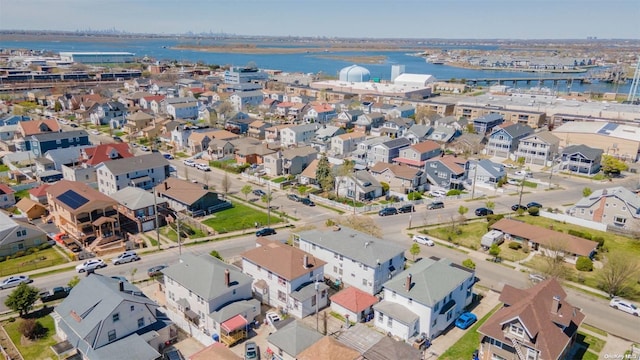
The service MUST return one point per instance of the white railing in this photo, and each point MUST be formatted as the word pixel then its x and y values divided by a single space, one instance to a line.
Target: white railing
pixel 189 327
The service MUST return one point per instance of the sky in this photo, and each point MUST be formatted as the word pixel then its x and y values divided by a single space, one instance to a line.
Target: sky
pixel 425 19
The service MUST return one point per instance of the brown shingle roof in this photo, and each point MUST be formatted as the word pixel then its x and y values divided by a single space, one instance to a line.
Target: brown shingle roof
pixel 352 135
pixel 402 172
pixel 425 146
pixel 282 259
pixel 310 171
pixel 450 162
pixel 328 348
pixel 95 197
pixel 34 126
pixel 181 190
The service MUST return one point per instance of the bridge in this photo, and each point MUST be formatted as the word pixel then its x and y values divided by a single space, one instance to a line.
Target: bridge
pixel 583 79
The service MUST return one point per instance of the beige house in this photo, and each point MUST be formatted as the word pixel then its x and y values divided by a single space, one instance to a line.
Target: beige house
pixel 617 207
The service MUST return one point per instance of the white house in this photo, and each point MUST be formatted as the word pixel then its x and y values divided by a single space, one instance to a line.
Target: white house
pixel 187 110
pixel 346 143
pixel 242 99
pixel 301 134
pixel 144 171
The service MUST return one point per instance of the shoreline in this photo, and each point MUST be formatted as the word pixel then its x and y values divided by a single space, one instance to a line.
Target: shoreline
pixel 254 50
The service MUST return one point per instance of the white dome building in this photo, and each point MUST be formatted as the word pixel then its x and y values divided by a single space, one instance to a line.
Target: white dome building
pixel 355 73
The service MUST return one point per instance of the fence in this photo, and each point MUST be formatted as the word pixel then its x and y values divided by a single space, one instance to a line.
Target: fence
pixel 189 327
pixel 574 220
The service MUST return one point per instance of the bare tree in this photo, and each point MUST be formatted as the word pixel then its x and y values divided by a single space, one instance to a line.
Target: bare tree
pixel 619 271
pixel 554 259
pixel 226 184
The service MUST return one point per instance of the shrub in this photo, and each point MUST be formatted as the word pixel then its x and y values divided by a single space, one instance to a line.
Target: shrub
pixel 493 218
pixel 599 240
pixel 32 250
pixel 525 247
pixel 216 254
pixel 515 245
pixel 584 264
pixel 454 192
pixel 581 234
pixel 414 196
pixel 44 246
pixel 533 211
pixel 20 253
pixel 31 329
pixel 468 263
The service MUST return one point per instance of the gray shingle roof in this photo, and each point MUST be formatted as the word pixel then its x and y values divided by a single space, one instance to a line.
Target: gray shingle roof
pixel 233 309
pixel 204 275
pixel 133 346
pixel 60 135
pixel 396 311
pixel 136 198
pixel 397 143
pixel 294 338
pixel 127 165
pixel 624 194
pixel 354 245
pixel 588 152
pixel 517 130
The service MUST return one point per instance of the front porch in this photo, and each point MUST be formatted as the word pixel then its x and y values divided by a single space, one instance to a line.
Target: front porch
pixel 233 330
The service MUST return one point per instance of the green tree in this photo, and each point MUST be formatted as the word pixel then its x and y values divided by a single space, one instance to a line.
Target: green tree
pixel 246 190
pixel 468 263
pixel 462 210
pixel 22 299
pixel 266 198
pixel 521 160
pixel 490 204
pixel 587 191
pixel 57 107
pixel 73 282
pixel 470 128
pixel 226 184
pixel 344 170
pixel 216 254
pixel 414 250
pixel 611 165
pixel 324 175
pixel 385 187
pixel 494 250
pixel 414 195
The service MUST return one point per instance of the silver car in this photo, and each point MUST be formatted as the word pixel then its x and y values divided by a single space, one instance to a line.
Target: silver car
pixel 13 281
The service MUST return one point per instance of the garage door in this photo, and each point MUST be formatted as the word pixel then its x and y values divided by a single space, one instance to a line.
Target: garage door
pixel 146 226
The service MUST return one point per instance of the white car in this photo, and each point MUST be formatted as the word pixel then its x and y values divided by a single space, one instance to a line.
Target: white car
pixel 624 305
pixel 145 148
pixel 203 167
pixel 536 278
pixel 421 239
pixel 513 182
pixel 272 318
pixel 438 193
pixel 95 132
pixel 13 281
pixel 189 162
pixel 125 257
pixel 90 265
pixel 524 173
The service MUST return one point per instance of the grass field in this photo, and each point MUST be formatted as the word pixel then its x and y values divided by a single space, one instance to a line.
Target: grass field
pixel 239 217
pixel 38 349
pixel 463 348
pixel 37 260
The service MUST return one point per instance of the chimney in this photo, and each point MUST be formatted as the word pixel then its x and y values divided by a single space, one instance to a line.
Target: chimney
pixel 555 305
pixel 305 261
pixel 227 279
pixel 121 286
pixel 166 186
pixel 407 283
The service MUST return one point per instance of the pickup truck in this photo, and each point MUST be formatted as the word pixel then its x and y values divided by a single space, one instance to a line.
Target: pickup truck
pixel 55 293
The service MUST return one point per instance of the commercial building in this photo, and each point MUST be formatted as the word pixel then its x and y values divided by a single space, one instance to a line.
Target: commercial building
pixel 97 57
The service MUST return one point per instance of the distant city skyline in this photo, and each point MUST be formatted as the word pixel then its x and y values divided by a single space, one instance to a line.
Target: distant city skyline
pixel 447 19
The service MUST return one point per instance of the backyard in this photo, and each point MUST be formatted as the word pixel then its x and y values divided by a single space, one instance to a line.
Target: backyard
pixel 239 217
pixel 33 349
pixel 468 343
pixel 37 260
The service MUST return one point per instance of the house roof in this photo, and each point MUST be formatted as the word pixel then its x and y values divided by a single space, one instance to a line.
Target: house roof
pixel 451 162
pixel 60 135
pixel 156 98
pixel 310 171
pixel 322 108
pixel 183 191
pixel 588 152
pixel 216 351
pixel 432 279
pixel 516 130
pixel 283 260
pixel 26 204
pixel 77 196
pixel 354 245
pixel 396 311
pixel 352 135
pixel 546 237
pixel 545 136
pixel 290 153
pixel 39 126
pixel 389 349
pixel 402 172
pixel 205 275
pixel 139 116
pixel 294 338
pixel 396 143
pixel 40 190
pixel 420 130
pixel 137 163
pixel 104 152
pixel 534 308
pixel 629 197
pixel 354 299
pixel 235 308
pixel 135 198
pixel 425 146
pixel 9 225
pixel 328 348
pixel 6 189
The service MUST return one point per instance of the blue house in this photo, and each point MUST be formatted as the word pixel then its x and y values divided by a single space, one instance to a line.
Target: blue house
pixel 485 124
pixel 13 119
pixel 446 172
pixel 505 140
pixel 41 143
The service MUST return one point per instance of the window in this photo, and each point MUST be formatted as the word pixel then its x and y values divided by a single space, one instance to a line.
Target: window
pixel 141 322
pixel 617 220
pixel 436 307
pixel 112 335
pixel 449 314
pixel 516 330
pixel 364 282
pixel 132 308
pixel 115 317
pixel 313 300
pixel 390 322
pixel 393 295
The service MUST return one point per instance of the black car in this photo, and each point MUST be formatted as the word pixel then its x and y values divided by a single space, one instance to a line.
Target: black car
pixel 265 232
pixel 259 192
pixel 173 354
pixel 534 204
pixel 156 270
pixel 435 205
pixel 307 202
pixel 406 209
pixel 483 211
pixel 294 197
pixel 388 211
pixel 515 207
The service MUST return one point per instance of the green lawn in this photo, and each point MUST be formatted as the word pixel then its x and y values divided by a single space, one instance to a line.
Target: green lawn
pixel 37 260
pixel 238 217
pixel 470 341
pixel 4 167
pixel 595 344
pixel 21 194
pixel 34 350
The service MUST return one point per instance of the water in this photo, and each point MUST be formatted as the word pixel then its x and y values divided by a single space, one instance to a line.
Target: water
pixel 312 62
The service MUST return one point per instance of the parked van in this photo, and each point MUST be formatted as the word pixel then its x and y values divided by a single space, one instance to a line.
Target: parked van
pixel 492 237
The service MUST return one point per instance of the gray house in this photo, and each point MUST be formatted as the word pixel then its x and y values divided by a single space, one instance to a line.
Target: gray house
pixel 446 172
pixel 504 140
pixel 538 148
pixel 364 154
pixel 389 150
pixel 418 133
pixel 361 186
pixel 581 159
pixel 346 118
pixel 367 121
pixel 290 161
pixel 293 339
pixel 485 124
pixel 485 171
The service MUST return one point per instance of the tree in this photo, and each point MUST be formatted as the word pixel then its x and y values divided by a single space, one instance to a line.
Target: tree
pixel 470 128
pixel 266 198
pixel 490 204
pixel 385 187
pixel 324 175
pixel 462 210
pixel 73 282
pixel 414 250
pixel 246 190
pixel 611 165
pixel 494 250
pixel 344 170
pixel 554 259
pixel 216 254
pixel 424 115
pixel 584 264
pixel 468 263
pixel 133 273
pixel 618 272
pixel 32 329
pixel 521 161
pixel 226 184
pixel 586 192
pixel 22 299
pixel 225 109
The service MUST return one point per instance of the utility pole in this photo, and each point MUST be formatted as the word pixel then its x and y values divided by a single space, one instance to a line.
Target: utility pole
pixel 521 189
pixel 268 204
pixel 355 189
pixel 178 227
pixel 473 186
pixel 317 300
pixel 155 209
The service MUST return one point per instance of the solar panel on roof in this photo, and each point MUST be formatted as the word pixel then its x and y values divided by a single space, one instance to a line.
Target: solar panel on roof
pixel 72 199
pixel 607 128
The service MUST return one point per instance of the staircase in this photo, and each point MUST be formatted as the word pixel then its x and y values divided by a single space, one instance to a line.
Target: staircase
pixel 516 345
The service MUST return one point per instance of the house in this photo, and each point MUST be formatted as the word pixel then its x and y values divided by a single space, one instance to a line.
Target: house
pixel 418 133
pixel 34 127
pixel 213 295
pixel 425 298
pixel 468 143
pixel 144 171
pixel 164 104
pixel 442 134
pixel 546 241
pixel 84 169
pixel 329 348
pixel 402 179
pixel 257 129
pixel 137 209
pixel 286 277
pixel 31 209
pixel 298 135
pixel 39 194
pixel 534 323
pixel 137 121
pixel 387 151
pixel 485 124
pixel 538 148
pixel 366 122
pixel 250 153
pixel 504 140
pixel 403 111
pixel 446 172
pixel 619 140
pixel 82 212
pixel 18 235
pixel 238 123
pixel 109 112
pixel 581 159
pixel 7 196
pixel 216 351
pixel 417 154
pixel 186 196
pixel 459 124
pixel 484 171
pixel 183 110
pixel 346 119
pixel 243 100
pixel 198 141
pixel 353 304
pixel 291 340
pixel 321 113
pixel 289 161
pixel 105 318
pixel 353 258
pixel 220 149
pixel 146 101
pixel 389 349
pixel 273 134
pixel 346 143
pixel 362 186
pixel 617 207
pixel 394 128
pixel 41 143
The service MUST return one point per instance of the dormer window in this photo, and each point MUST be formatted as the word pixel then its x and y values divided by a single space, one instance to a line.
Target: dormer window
pixel 516 330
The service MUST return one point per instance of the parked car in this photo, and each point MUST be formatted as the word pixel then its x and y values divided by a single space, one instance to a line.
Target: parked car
pixel 294 197
pixel 534 204
pixel 483 211
pixel 438 193
pixel 514 182
pixel 251 351
pixel 95 132
pixel 465 320
pixel 90 265
pixel 265 232
pixel 523 173
pixel 13 281
pixel 422 239
pixel 435 205
pixel 58 292
pixel 258 192
pixel 120 278
pixel 624 305
pixel 145 148
pixel 125 257
pixel 536 278
pixel 189 162
pixel 515 207
pixel 156 270
pixel 168 156
pixel 388 211
pixel 406 209
pixel 203 167
pixel 272 318
pixel 172 354
pixel 117 139
pixel 74 125
pixel 307 202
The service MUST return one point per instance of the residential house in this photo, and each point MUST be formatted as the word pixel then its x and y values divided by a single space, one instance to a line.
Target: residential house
pixel 248 153
pixel 417 154
pixel 268 106
pixel 484 171
pixel 198 141
pixel 387 151
pixel 380 107
pixel 424 299
pixel 137 209
pixel 216 351
pixel 533 323
pixel 244 100
pixel 212 295
pixel 389 349
pixel 286 277
pixel 343 145
pixel 105 318
pixel 485 124
pixel 403 111
pixel 468 143
pixel 84 169
pixel 308 175
pixel 504 140
pixel 418 133
pixel 581 159
pixel 321 113
pixel 402 179
pixel 39 194
pixel 31 209
pixel 220 149
pixel 192 198
pixel 442 134
pixel 82 212
pixel 11 119
pixel 41 143
pixel 353 304
pixel 25 129
pixel 354 258
pixel 619 140
pixel 394 127
pixel 538 148
pixel 189 83
pixel 238 123
pixel 7 196
pixel 146 101
pixel 7 136
pixel 360 185
pixel 446 172
pixel 290 161
pixel 164 104
pixel 109 112
pixel 18 235
pixel 547 241
pixel 257 129
pixel 137 121
pixel 459 124
pixel 322 140
pixel 346 119
pixel 366 122
pixel 273 134
pixel 298 135
pixel 144 171
pixel 183 110
pixel 329 348
pixel 282 109
pixel 291 340
pixel 617 207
